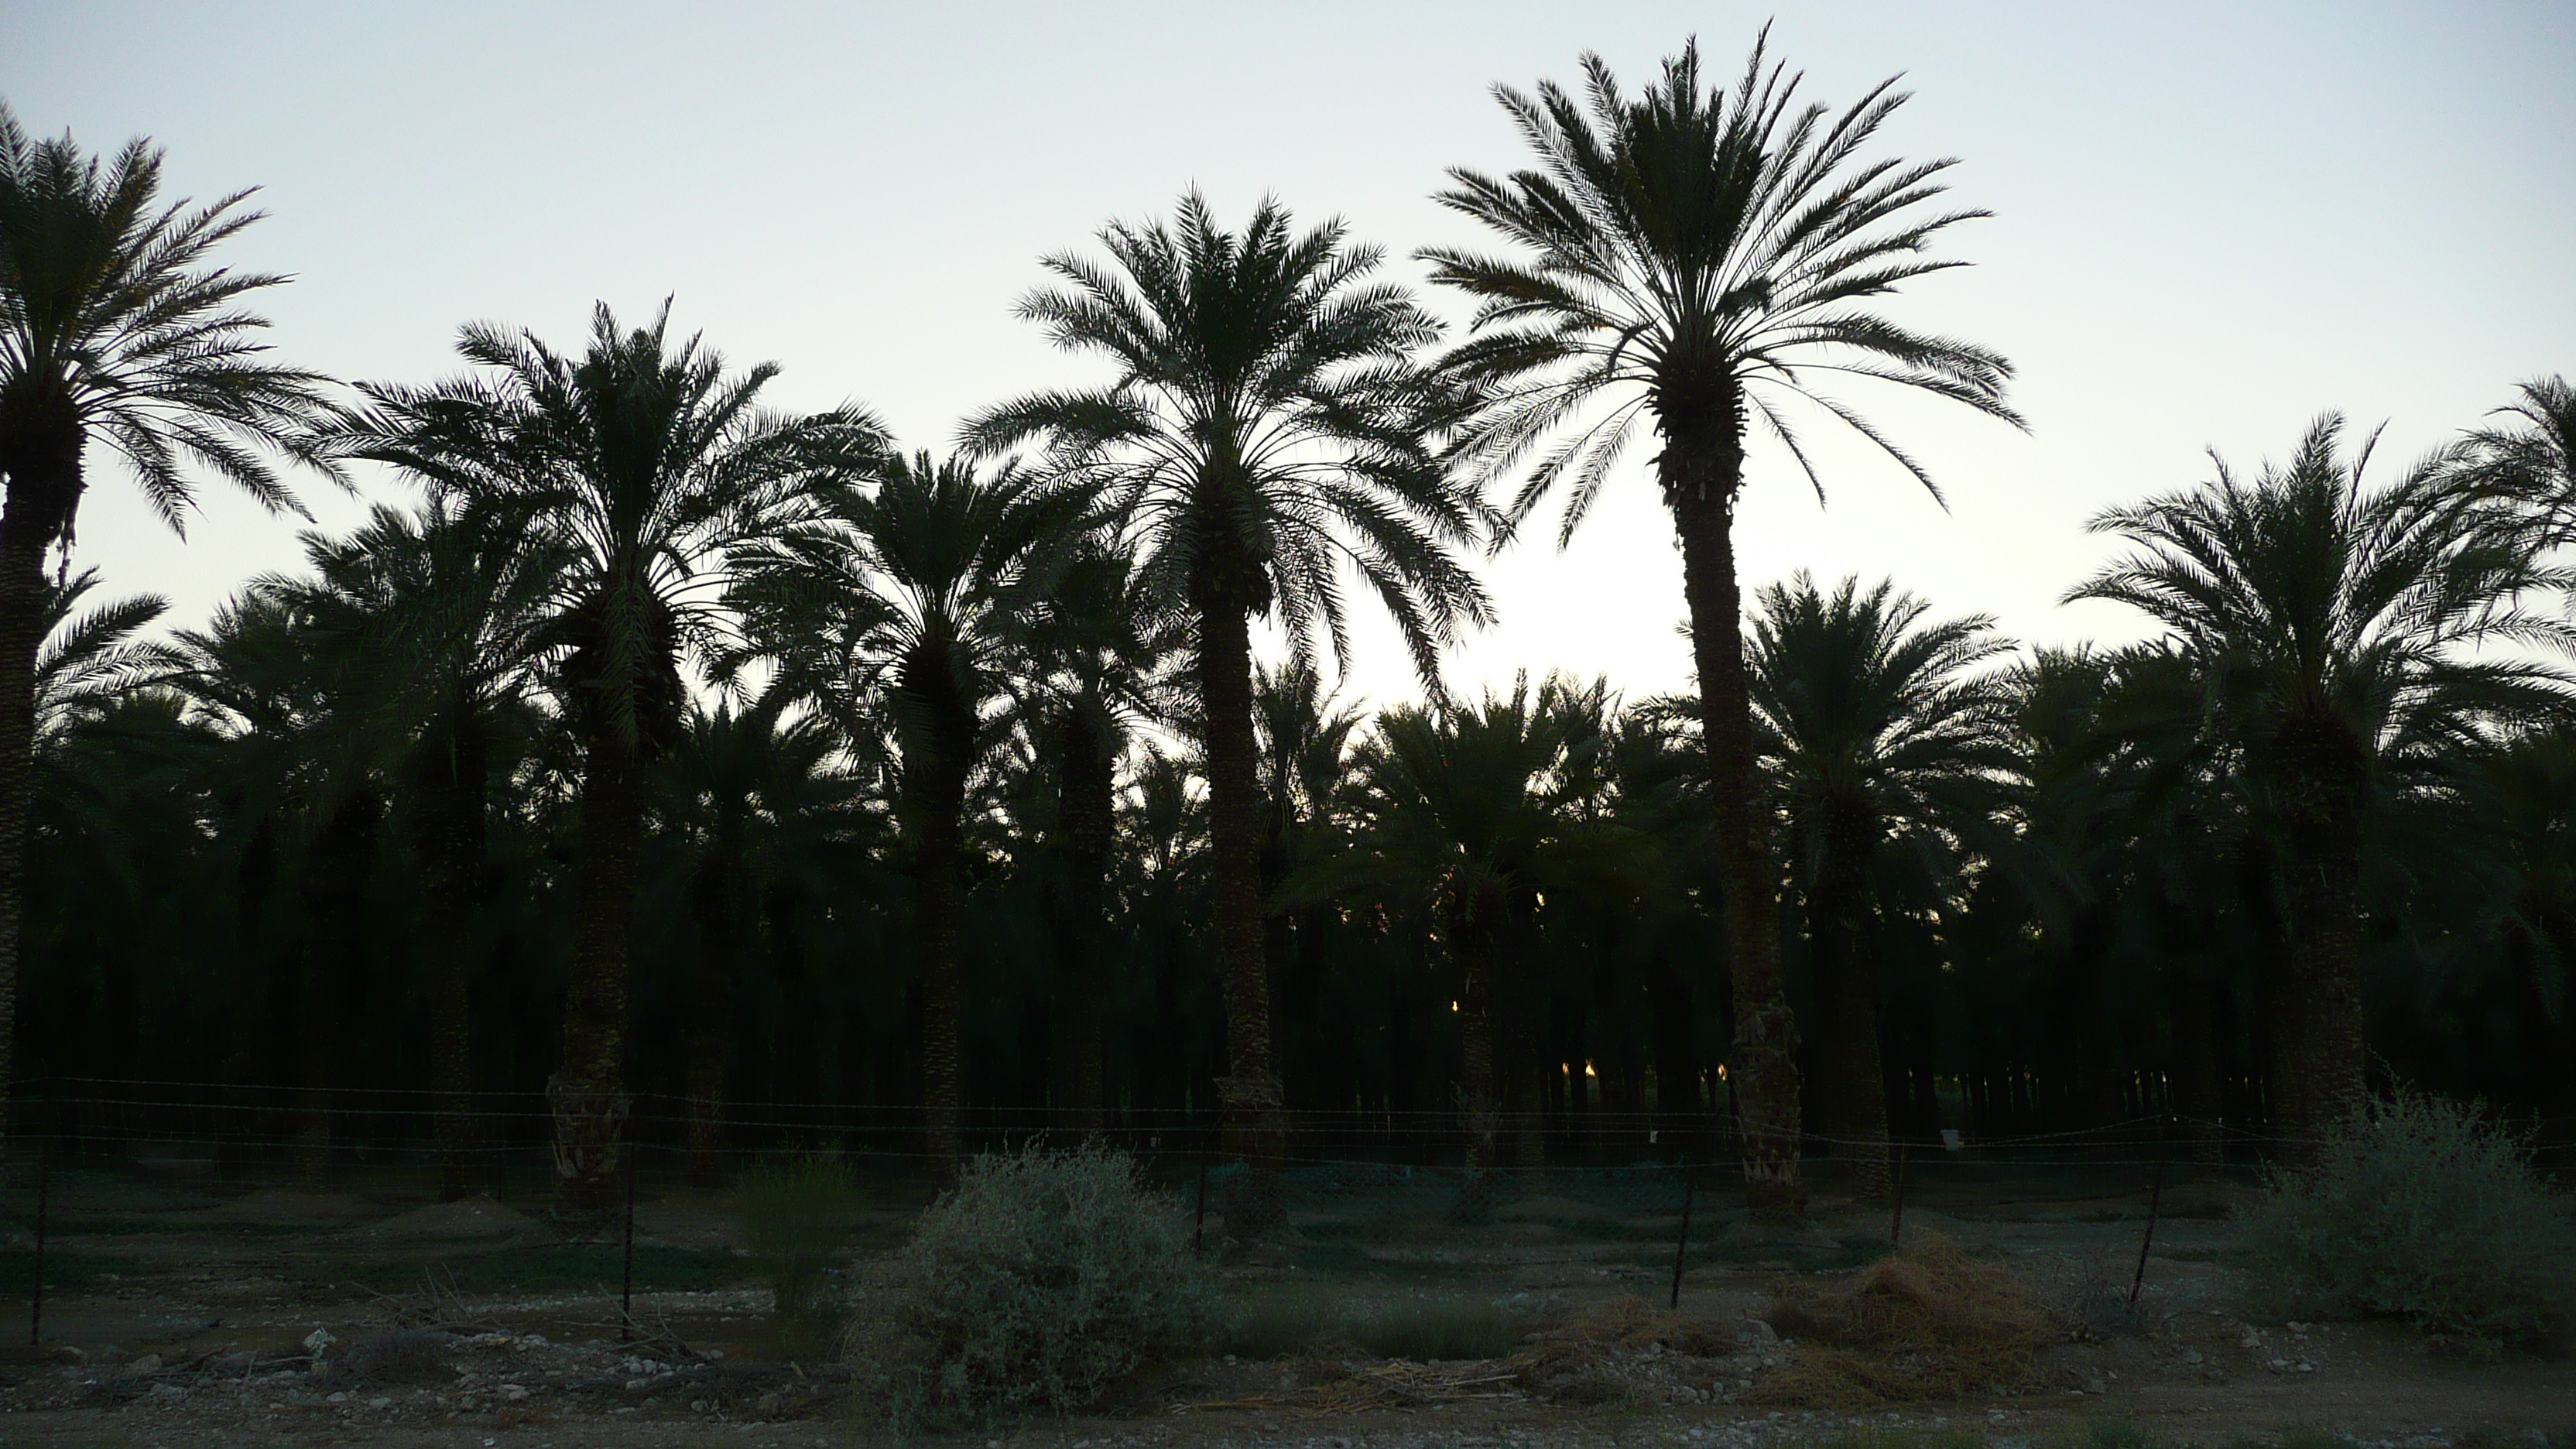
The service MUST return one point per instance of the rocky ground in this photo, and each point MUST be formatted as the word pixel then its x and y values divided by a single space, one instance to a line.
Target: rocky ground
pixel 283 1319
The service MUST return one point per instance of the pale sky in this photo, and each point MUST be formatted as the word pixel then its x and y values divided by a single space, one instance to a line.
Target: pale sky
pixel 2212 223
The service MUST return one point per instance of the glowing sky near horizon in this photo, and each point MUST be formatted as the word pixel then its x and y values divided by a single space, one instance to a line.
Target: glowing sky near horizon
pixel 2212 223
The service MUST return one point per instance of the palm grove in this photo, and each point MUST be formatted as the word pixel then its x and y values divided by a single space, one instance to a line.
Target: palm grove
pixel 668 748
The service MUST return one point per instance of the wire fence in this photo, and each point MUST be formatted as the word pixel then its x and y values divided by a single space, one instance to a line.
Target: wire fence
pixel 118 1181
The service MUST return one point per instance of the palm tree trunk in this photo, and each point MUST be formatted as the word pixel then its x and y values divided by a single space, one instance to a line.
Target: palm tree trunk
pixel 2322 1057
pixel 589 1093
pixel 1700 484
pixel 1523 1077
pixel 1087 806
pixel 1851 1090
pixel 451 846
pixel 711 1032
pixel 1472 931
pixel 2196 1076
pixel 1249 1094
pixel 943 723
pixel 44 472
pixel 22 592
pixel 943 1097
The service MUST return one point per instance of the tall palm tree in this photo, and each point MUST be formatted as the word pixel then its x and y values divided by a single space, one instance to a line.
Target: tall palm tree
pixel 1268 429
pixel 647 463
pixel 1089 668
pixel 1872 721
pixel 440 617
pixel 1702 260
pixel 899 597
pixel 113 329
pixel 2334 629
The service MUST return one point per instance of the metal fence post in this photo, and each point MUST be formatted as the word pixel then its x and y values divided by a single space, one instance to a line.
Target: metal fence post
pixel 626 1289
pixel 1681 1249
pixel 2155 1203
pixel 1896 1226
pixel 44 1201
pixel 1198 1234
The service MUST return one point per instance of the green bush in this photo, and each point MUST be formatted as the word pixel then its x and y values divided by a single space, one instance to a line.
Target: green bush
pixel 2419 1209
pixel 1037 1282
pixel 797 1217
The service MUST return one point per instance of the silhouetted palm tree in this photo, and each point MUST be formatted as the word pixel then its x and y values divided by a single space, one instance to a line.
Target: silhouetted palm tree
pixel 898 599
pixel 1089 666
pixel 1461 813
pixel 2332 627
pixel 1700 259
pixel 1872 721
pixel 2530 459
pixel 1267 429
pixel 112 330
pixel 439 619
pixel 760 807
pixel 647 462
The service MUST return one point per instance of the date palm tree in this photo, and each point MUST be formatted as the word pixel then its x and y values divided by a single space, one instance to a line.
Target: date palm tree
pixel 1089 667
pixel 2334 628
pixel 761 811
pixel 114 330
pixel 896 600
pixel 647 462
pixel 1872 721
pixel 1462 813
pixel 2529 458
pixel 1268 430
pixel 1703 261
pixel 440 618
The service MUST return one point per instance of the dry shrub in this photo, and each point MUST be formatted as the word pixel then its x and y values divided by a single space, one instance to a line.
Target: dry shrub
pixel 1927 1323
pixel 2421 1210
pixel 1577 1362
pixel 1036 1282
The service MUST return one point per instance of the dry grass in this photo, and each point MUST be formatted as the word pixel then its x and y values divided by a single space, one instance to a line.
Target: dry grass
pixel 1581 1361
pixel 1928 1323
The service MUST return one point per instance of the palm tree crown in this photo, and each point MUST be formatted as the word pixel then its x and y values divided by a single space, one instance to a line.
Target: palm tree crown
pixel 1265 420
pixel 1698 257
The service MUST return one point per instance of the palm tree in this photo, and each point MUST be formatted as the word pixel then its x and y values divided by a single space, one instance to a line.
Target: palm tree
pixel 901 597
pixel 647 463
pixel 300 787
pixel 1088 665
pixel 1702 260
pixel 2332 627
pixel 754 801
pixel 1872 721
pixel 91 660
pixel 2530 459
pixel 1462 813
pixel 1267 428
pixel 113 329
pixel 440 617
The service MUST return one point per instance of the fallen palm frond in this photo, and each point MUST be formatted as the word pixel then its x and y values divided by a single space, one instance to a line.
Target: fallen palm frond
pixel 1927 1323
pixel 1581 1360
pixel 1392 1385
